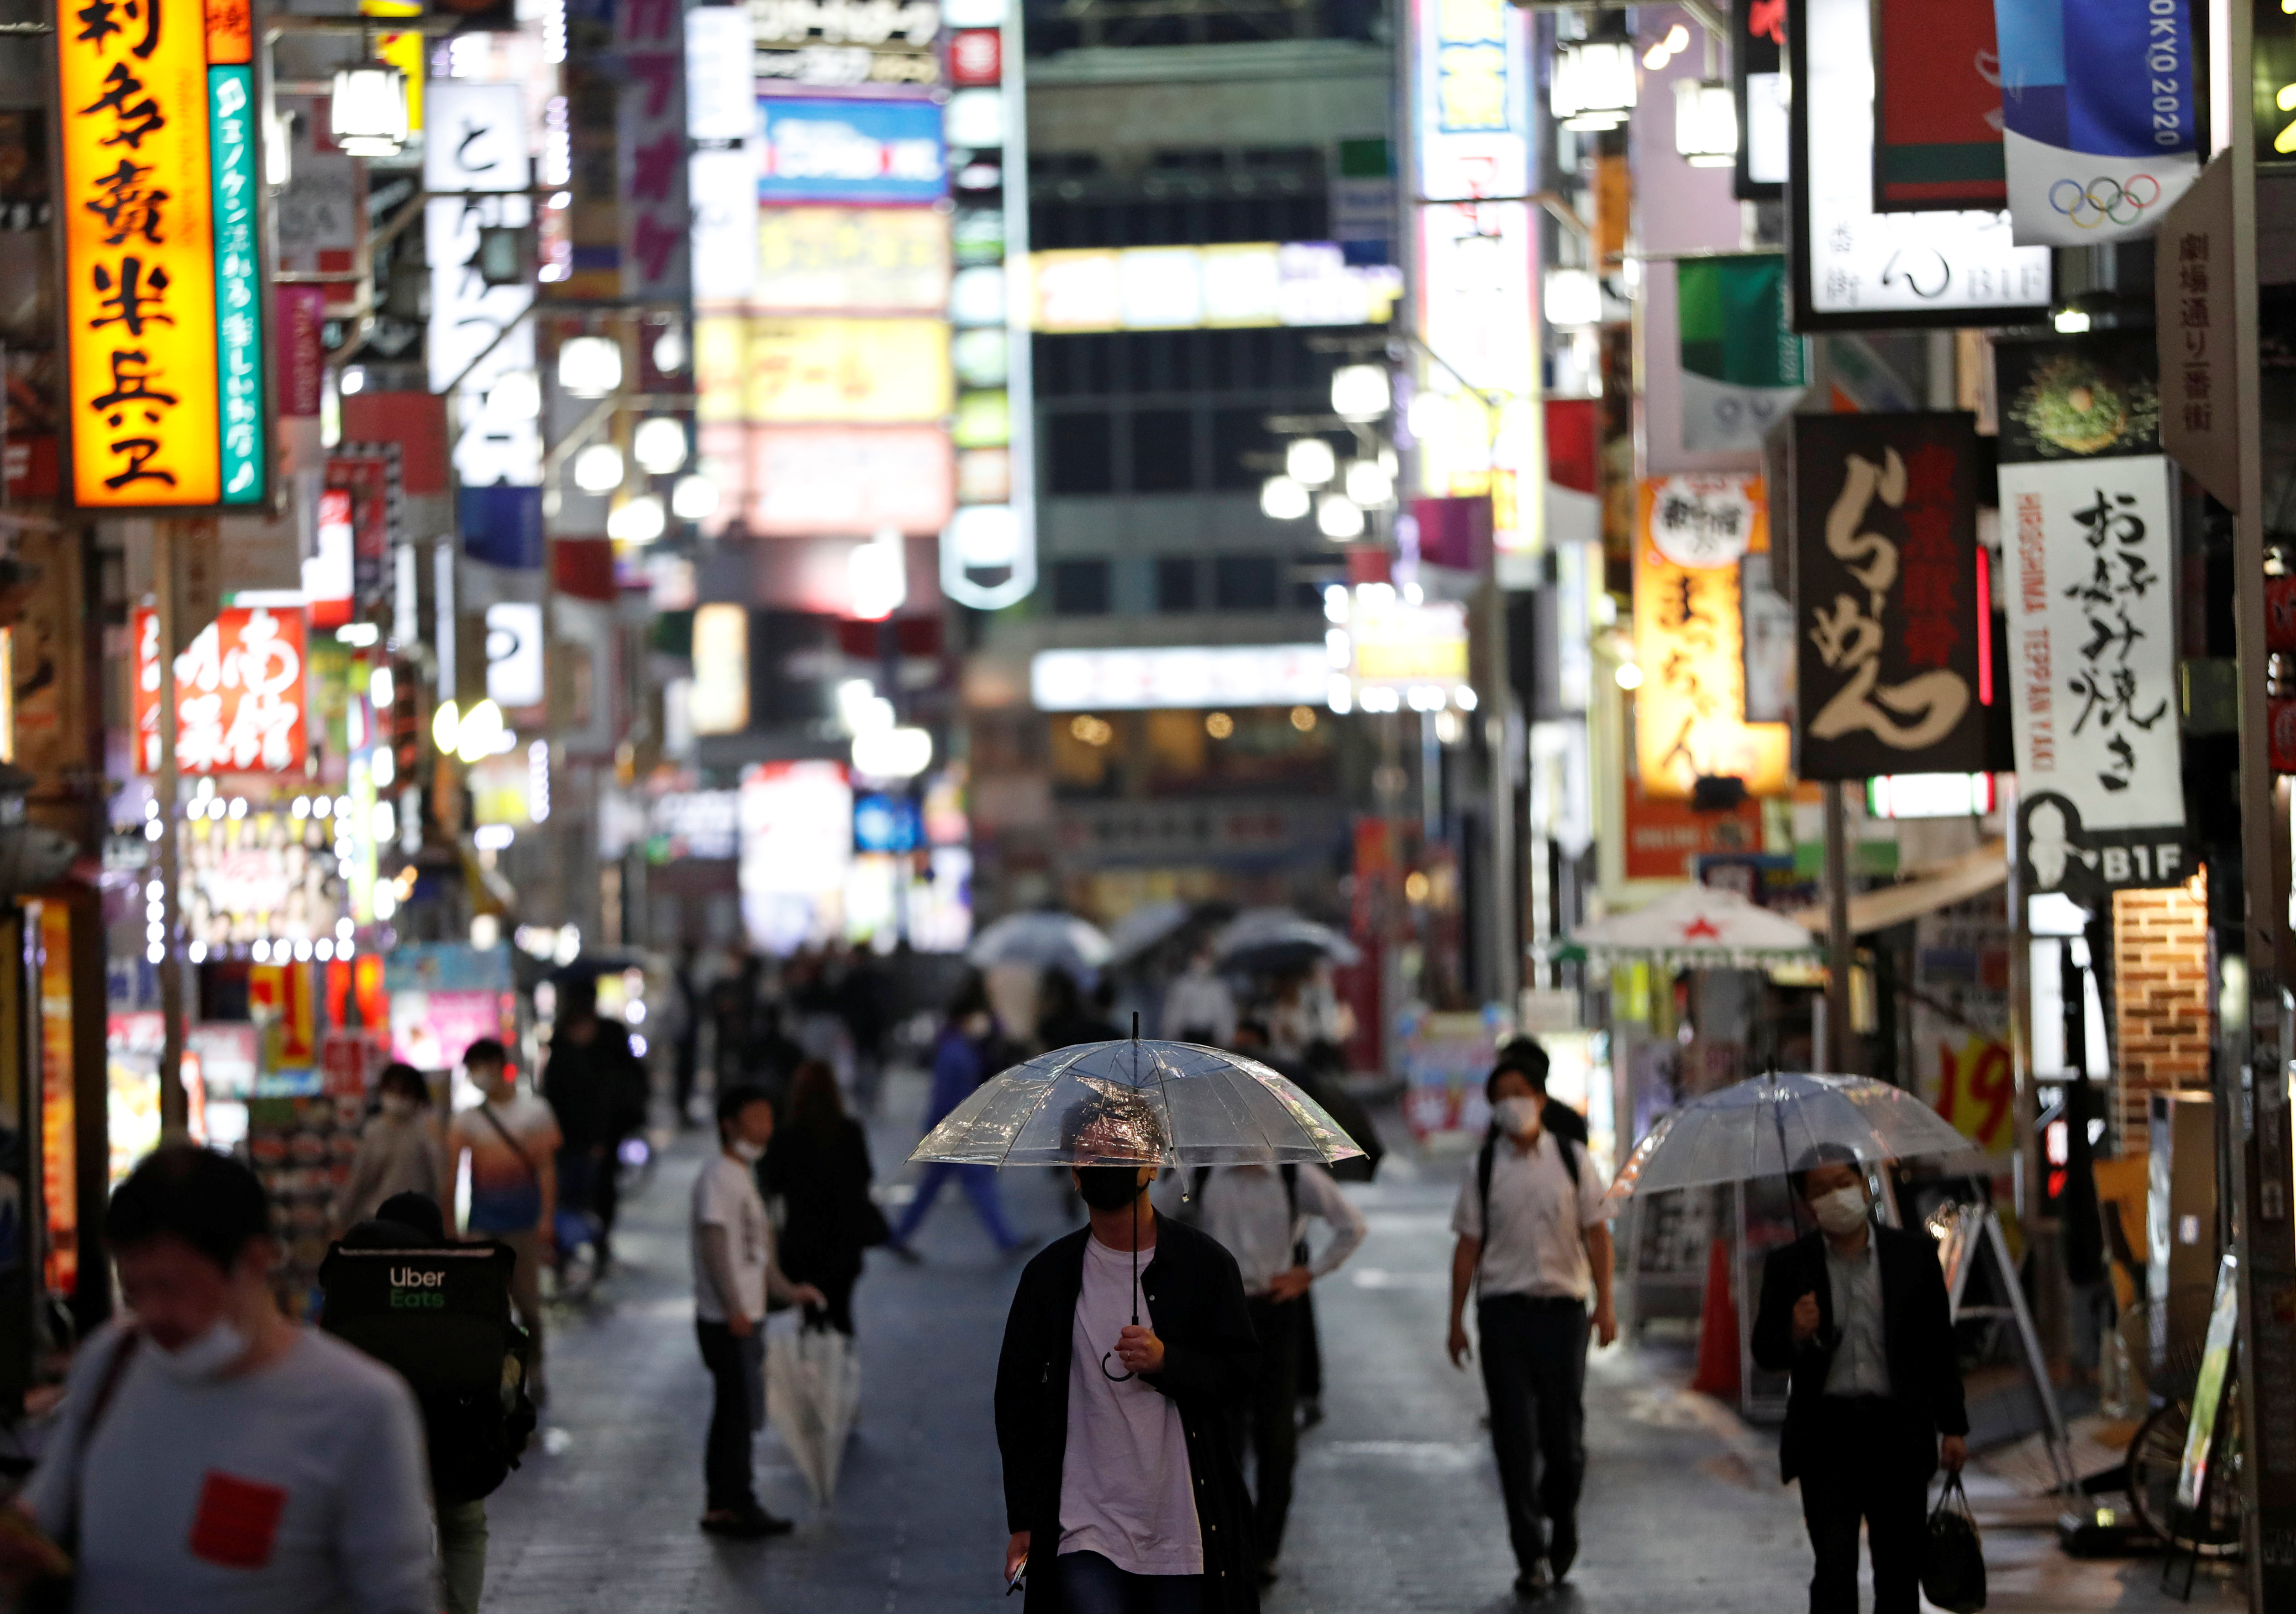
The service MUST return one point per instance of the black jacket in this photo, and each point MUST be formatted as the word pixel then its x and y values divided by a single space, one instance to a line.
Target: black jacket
pixel 822 1175
pixel 1916 1339
pixel 1192 1290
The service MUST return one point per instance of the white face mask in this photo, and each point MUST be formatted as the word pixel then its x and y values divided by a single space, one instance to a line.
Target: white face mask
pixel 1518 1116
pixel 205 1358
pixel 744 1149
pixel 1841 1212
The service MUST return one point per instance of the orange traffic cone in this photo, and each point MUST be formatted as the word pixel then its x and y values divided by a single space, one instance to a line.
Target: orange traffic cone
pixel 1717 1328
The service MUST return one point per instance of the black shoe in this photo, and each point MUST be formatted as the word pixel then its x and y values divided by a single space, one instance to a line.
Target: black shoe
pixel 1311 1413
pixel 1563 1547
pixel 747 1524
pixel 1534 1582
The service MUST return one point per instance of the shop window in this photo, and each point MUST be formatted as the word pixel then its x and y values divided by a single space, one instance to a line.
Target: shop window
pixel 1175 584
pixel 1079 453
pixel 1164 451
pixel 1244 583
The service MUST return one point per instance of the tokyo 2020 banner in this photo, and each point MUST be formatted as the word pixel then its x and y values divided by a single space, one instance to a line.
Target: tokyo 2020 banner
pixel 2101 131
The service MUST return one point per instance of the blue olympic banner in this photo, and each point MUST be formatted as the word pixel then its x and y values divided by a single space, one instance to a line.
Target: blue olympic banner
pixel 2098 101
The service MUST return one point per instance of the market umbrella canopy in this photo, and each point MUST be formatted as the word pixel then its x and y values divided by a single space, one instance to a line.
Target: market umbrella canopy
pixel 1046 940
pixel 1134 1102
pixel 1765 1126
pixel 1697 926
pixel 1278 939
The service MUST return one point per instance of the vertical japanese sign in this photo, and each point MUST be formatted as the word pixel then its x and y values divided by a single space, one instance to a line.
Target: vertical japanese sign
pixel 2092 615
pixel 59 1102
pixel 477 167
pixel 1477 294
pixel 1892 634
pixel 164 278
pixel 239 693
pixel 2102 129
pixel 2193 306
pixel 1690 709
pixel 650 38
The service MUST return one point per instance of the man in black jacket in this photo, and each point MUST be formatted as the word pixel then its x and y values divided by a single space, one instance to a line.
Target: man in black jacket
pixel 1121 1487
pixel 1856 1314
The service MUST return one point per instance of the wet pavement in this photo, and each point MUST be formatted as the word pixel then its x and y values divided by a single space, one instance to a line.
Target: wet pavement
pixel 1397 1505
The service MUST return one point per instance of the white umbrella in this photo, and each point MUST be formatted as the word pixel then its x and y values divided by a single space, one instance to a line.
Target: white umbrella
pixel 1046 940
pixel 1695 927
pixel 1278 939
pixel 813 1394
pixel 1146 926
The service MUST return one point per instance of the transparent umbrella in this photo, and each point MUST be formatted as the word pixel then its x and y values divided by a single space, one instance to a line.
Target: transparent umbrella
pixel 1048 940
pixel 1764 1127
pixel 1134 1102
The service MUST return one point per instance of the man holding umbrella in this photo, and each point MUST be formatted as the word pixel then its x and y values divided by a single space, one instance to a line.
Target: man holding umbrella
pixel 1856 1314
pixel 1114 1393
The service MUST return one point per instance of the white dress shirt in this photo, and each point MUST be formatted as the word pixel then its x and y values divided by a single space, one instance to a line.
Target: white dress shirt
pixel 1247 1210
pixel 1861 1365
pixel 1536 1241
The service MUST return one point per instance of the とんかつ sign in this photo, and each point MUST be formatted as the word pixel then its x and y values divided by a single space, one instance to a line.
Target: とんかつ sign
pixel 163 261
pixel 240 704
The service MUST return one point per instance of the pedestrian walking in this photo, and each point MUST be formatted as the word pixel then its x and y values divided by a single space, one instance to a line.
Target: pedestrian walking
pixel 400 1150
pixel 1115 1393
pixel 598 1089
pixel 735 1276
pixel 817 1165
pixel 959 1064
pixel 512 1140
pixel 1259 1214
pixel 211 1454
pixel 1857 1314
pixel 462 1355
pixel 1533 1245
pixel 1198 1006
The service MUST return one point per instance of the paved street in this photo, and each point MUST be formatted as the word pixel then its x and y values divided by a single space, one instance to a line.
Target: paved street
pixel 1398 1500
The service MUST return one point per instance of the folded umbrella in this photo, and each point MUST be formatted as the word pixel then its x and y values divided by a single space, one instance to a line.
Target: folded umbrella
pixel 1765 1126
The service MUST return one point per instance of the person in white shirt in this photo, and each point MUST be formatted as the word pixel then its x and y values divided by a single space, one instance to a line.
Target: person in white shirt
pixel 1198 1006
pixel 734 1274
pixel 213 1457
pixel 1259 1214
pixel 1533 1243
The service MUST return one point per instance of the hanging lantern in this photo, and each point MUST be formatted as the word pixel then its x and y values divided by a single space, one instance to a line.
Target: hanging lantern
pixel 1593 84
pixel 1705 123
pixel 369 115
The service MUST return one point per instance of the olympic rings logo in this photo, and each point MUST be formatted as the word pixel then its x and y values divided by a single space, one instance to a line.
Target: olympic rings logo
pixel 2104 201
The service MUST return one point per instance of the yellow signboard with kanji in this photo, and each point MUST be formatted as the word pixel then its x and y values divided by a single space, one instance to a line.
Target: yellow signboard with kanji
pixel 1689 708
pixel 157 128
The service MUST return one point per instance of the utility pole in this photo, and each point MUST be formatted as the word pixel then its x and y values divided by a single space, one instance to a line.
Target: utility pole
pixel 175 1105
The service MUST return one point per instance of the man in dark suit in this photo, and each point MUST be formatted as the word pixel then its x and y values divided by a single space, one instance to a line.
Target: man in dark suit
pixel 1856 1314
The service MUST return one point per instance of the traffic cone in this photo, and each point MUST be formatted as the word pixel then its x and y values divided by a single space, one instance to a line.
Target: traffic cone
pixel 1717 1328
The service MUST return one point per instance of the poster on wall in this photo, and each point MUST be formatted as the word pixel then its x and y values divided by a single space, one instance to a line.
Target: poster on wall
pixel 1893 647
pixel 2090 551
pixel 1690 709
pixel 2103 132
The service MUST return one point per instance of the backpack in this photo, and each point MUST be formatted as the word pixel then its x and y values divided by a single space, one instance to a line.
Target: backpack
pixel 1563 1141
pixel 440 1315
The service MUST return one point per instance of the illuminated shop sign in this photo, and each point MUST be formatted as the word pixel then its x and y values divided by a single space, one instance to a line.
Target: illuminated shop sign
pixel 1135 680
pixel 1254 283
pixel 850 151
pixel 240 704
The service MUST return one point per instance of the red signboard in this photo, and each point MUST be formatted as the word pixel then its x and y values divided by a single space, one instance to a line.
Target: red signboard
pixel 239 693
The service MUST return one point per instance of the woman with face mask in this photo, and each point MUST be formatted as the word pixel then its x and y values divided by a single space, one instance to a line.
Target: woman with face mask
pixel 400 1151
pixel 1856 1314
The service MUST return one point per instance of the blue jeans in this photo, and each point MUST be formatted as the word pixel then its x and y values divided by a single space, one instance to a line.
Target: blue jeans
pixel 1091 1585
pixel 980 1183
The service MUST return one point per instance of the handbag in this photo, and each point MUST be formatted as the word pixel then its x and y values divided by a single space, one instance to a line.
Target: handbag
pixel 1953 1559
pixel 55 1593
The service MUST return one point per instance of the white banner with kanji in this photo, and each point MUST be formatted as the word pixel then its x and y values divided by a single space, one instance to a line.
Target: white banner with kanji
pixel 240 699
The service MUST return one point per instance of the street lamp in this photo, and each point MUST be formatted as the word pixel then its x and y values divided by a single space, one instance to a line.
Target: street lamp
pixel 694 498
pixel 1705 123
pixel 1573 298
pixel 368 112
pixel 1338 518
pixel 1593 84
pixel 598 469
pixel 590 366
pixel 1368 484
pixel 642 520
pixel 1283 499
pixel 659 444
pixel 1309 461
pixel 1360 392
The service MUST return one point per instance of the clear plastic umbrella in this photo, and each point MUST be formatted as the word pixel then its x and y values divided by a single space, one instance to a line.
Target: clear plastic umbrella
pixel 1764 1127
pixel 1134 1102
pixel 1048 940
pixel 1277 939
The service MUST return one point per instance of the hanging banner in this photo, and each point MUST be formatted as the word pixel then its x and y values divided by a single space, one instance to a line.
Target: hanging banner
pixel 2193 308
pixel 1742 366
pixel 2085 501
pixel 1893 635
pixel 1689 708
pixel 165 285
pixel 2103 134
pixel 1855 268
pixel 1937 107
pixel 239 693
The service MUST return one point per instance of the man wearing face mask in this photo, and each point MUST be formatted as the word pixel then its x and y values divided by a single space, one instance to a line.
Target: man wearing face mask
pixel 735 1275
pixel 211 1456
pixel 1856 1314
pixel 1126 1353
pixel 1533 1245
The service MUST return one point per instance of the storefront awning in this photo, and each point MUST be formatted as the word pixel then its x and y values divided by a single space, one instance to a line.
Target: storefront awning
pixel 1942 885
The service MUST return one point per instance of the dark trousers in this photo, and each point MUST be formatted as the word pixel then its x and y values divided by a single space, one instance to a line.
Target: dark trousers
pixel 1268 1423
pixel 1847 1476
pixel 737 1382
pixel 1534 1373
pixel 838 1291
pixel 1091 1585
pixel 1311 1351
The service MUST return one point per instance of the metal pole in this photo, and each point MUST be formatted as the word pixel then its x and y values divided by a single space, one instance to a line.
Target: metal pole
pixel 1500 737
pixel 174 1108
pixel 1840 946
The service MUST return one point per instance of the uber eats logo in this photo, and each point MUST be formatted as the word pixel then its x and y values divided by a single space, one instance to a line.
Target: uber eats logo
pixel 414 1290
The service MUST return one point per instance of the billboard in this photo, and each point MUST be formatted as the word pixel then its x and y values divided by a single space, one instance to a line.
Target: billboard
pixel 1248 283
pixel 240 705
pixel 828 481
pixel 834 150
pixel 852 260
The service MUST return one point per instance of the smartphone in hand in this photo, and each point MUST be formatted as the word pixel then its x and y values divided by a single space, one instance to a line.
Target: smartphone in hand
pixel 1020 1574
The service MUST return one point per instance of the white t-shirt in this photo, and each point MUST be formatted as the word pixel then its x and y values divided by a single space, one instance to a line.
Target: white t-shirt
pixel 298 1488
pixel 725 1195
pixel 1125 1481
pixel 1536 1243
